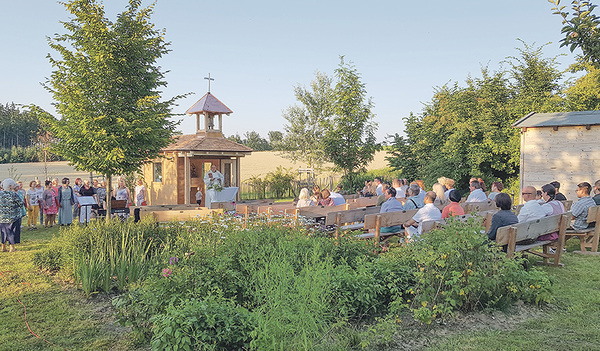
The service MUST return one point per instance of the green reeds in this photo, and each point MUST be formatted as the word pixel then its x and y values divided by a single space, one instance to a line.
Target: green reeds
pixel 112 261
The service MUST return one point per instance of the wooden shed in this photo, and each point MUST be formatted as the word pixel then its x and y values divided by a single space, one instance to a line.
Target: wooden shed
pixel 562 146
pixel 174 177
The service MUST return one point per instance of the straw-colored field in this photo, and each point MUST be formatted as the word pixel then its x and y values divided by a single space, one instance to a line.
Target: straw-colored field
pixel 257 164
pixel 262 162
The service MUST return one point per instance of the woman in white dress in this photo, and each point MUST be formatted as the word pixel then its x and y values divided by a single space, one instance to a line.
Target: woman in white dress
pixel 140 193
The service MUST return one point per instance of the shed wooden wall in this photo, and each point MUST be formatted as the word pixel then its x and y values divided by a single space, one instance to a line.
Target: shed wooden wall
pixel 570 155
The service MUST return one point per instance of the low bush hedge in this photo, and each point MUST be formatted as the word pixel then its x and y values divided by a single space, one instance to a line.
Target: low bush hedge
pixel 280 286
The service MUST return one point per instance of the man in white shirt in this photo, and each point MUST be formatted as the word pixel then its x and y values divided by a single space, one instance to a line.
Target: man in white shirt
pixel 531 210
pixel 379 190
pixel 477 195
pixel 428 213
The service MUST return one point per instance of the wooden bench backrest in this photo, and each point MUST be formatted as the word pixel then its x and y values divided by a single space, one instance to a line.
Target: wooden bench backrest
pixel 350 216
pixel 226 206
pixel 182 215
pixel 530 229
pixel 276 208
pixel 351 197
pixel 389 219
pixel 319 211
pixel 593 214
pixel 478 206
pixel 365 201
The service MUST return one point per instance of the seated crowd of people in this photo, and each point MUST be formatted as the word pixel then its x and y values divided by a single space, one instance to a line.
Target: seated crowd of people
pixel 443 201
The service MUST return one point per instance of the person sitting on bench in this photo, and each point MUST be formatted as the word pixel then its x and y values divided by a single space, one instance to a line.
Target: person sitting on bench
pixel 391 205
pixel 428 213
pixel 531 209
pixel 579 210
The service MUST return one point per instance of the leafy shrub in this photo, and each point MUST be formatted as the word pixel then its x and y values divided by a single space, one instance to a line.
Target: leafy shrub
pixel 457 269
pixel 212 323
pixel 357 181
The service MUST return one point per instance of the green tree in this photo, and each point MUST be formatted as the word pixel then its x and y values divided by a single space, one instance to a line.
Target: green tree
pixel 349 140
pixel 275 138
pixel 467 130
pixel 305 122
pixel 106 87
pixel 584 94
pixel 256 142
pixel 581 29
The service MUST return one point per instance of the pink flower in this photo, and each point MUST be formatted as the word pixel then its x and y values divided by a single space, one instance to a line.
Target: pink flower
pixel 173 260
pixel 166 272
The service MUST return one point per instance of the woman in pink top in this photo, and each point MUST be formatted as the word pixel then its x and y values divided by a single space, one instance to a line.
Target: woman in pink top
pixel 454 208
pixel 551 207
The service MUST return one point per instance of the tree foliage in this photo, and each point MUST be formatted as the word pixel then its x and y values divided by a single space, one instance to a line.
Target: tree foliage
pixel 252 140
pixel 332 123
pixel 581 29
pixel 466 131
pixel 106 85
pixel 305 122
pixel 349 140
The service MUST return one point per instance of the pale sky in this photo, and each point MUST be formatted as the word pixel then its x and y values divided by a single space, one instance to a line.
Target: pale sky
pixel 257 51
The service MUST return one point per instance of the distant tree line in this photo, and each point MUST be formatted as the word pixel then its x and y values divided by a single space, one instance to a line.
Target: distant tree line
pixel 257 143
pixel 22 138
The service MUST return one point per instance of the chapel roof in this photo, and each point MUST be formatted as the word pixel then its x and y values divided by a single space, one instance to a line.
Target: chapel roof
pixel 209 103
pixel 194 142
pixel 559 119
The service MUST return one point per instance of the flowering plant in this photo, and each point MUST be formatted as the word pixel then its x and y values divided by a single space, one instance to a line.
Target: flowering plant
pixel 216 186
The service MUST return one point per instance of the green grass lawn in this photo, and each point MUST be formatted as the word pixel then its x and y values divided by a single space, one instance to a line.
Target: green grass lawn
pixel 59 313
pixel 56 311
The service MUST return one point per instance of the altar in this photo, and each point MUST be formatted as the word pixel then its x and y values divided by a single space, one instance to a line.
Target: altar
pixel 225 195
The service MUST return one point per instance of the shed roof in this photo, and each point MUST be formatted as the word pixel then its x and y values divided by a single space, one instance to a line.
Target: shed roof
pixel 209 103
pixel 559 119
pixel 193 142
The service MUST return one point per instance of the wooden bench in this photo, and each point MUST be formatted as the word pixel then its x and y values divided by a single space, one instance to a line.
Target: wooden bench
pixel 483 206
pixel 320 211
pixel 510 235
pixel 388 219
pixel 363 202
pixel 588 238
pixel 343 219
pixel 183 215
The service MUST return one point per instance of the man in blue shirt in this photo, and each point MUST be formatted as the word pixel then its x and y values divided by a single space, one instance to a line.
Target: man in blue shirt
pixel 391 204
pixel 414 201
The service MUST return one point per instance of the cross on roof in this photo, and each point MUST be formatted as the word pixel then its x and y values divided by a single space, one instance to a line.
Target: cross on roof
pixel 209 79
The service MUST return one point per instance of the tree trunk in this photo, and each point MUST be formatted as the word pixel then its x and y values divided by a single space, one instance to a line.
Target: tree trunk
pixel 108 195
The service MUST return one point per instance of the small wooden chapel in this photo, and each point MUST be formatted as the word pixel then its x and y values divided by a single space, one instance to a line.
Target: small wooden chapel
pixel 174 177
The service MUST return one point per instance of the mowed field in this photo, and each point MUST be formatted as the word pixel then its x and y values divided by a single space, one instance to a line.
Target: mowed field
pixel 257 164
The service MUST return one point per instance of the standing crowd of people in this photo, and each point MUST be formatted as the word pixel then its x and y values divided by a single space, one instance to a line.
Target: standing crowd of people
pixel 51 202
